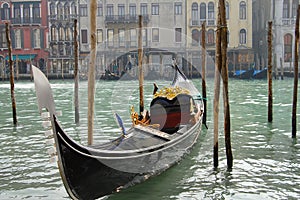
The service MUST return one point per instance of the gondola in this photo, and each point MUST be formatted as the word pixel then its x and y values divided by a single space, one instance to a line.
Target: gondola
pixel 244 74
pixel 260 74
pixel 158 139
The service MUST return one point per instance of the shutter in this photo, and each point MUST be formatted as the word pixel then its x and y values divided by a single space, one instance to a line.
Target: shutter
pixel 42 31
pixel 32 38
pixel 12 38
pixel 22 39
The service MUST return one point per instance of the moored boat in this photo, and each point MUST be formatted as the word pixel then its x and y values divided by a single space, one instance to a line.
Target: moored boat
pixel 156 140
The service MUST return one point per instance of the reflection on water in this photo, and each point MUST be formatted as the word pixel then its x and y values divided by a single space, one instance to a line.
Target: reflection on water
pixel 266 159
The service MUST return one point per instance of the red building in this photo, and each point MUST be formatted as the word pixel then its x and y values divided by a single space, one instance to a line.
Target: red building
pixel 28 32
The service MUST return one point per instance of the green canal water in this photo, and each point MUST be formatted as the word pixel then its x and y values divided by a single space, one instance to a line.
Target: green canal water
pixel 266 159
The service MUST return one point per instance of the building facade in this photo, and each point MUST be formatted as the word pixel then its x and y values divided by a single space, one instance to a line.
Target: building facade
pixel 283 15
pixel 28 32
pixel 117 33
pixel 61 18
pixel 239 23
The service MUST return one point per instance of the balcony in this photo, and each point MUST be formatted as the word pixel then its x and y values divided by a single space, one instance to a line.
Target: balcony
pixel 288 21
pixel 199 22
pixel 125 19
pixel 27 20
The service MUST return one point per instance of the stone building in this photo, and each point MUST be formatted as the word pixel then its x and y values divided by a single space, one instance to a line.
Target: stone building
pixel 117 33
pixel 28 31
pixel 283 15
pixel 239 22
pixel 61 16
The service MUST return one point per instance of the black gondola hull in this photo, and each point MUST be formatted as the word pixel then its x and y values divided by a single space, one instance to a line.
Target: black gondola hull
pixel 92 174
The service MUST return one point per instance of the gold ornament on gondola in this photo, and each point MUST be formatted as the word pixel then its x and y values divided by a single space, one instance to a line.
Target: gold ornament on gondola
pixel 170 92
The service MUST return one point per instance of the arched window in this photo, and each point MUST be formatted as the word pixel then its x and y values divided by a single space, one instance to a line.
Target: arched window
pixel 294 8
pixel 52 9
pixel 210 36
pixel 53 33
pixel 67 9
pixel 73 9
pixel 194 11
pixel 227 10
pixel 286 9
pixel 202 11
pixel 243 10
pixel 195 37
pixel 60 11
pixel 5 12
pixel 243 38
pixel 288 38
pixel 211 10
pixel 61 35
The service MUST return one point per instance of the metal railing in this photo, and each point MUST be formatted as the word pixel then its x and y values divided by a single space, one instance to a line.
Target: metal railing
pixel 125 18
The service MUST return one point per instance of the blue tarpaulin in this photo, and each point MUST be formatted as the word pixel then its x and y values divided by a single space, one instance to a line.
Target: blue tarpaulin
pixel 22 57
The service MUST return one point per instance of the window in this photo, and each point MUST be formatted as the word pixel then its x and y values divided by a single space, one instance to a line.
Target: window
pixel 144 9
pixel 83 10
pixel 5 12
pixel 52 9
pixel 155 35
pixel 155 9
pixel 194 11
pixel 286 9
pixel 121 10
pixel 243 38
pixel 145 37
pixel 53 33
pixel 61 34
pixel 121 37
pixel 36 38
pixel 18 39
pixel 227 10
pixel 178 34
pixel 210 37
pixel 17 13
pixel 99 35
pixel 178 8
pixel 84 36
pixel 110 10
pixel 288 38
pixel 294 8
pixel 211 10
pixel 36 11
pixel 243 11
pixel 133 37
pixel 195 37
pixel 110 37
pixel 26 13
pixel 67 10
pixel 3 43
pixel 99 9
pixel 202 11
pixel 68 34
pixel 73 9
pixel 132 10
pixel 60 11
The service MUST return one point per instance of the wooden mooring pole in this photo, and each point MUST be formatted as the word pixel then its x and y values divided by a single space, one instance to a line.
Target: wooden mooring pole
pixel 295 94
pixel 140 64
pixel 203 63
pixel 91 75
pixel 76 77
pixel 224 73
pixel 11 68
pixel 270 93
pixel 218 64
